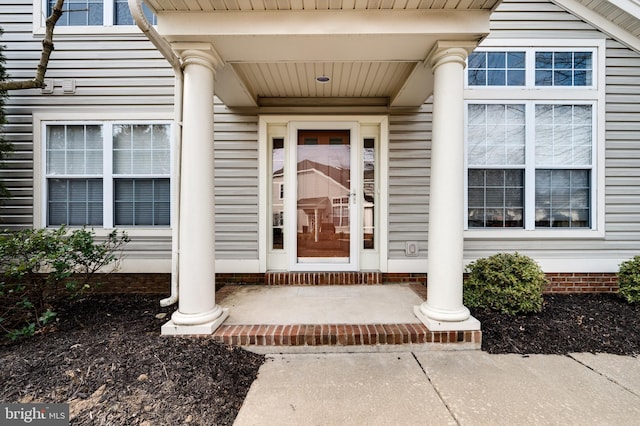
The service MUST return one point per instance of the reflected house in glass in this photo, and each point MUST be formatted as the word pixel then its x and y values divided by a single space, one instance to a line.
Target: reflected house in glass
pixel 322 210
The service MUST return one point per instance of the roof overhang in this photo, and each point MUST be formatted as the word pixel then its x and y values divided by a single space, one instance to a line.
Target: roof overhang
pixel 273 57
pixel 620 19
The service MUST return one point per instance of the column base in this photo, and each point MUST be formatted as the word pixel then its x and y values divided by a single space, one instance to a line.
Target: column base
pixel 468 324
pixel 170 328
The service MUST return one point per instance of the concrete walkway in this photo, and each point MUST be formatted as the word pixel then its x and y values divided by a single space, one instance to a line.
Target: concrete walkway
pixel 444 388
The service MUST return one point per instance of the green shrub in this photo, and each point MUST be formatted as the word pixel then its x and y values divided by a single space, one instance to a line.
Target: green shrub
pixel 505 282
pixel 41 266
pixel 629 280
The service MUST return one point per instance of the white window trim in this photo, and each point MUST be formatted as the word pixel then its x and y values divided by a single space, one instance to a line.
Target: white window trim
pixel 41 120
pixel 550 94
pixel 530 76
pixel 108 27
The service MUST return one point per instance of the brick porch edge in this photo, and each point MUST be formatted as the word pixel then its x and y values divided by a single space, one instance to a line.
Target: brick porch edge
pixel 339 335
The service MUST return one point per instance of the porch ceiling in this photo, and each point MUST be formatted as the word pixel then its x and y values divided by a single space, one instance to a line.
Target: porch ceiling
pixel 373 51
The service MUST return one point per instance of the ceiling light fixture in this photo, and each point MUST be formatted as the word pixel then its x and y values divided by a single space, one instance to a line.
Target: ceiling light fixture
pixel 323 79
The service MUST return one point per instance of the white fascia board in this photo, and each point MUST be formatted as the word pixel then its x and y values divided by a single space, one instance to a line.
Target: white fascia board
pixel 416 266
pixel 559 264
pixel 324 22
pixel 163 266
pixel 583 265
pixel 130 265
pixel 324 35
pixel 231 266
pixel 600 22
pixel 548 265
pixel 412 92
pixel 230 88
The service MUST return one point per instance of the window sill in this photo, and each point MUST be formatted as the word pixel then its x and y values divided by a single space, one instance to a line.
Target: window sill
pixel 538 234
pixel 88 30
pixel 131 232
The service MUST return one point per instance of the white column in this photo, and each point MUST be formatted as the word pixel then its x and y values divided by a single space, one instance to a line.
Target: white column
pixel 444 309
pixel 197 310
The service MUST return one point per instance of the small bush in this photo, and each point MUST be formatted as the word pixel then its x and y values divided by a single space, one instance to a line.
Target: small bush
pixel 629 280
pixel 505 282
pixel 40 266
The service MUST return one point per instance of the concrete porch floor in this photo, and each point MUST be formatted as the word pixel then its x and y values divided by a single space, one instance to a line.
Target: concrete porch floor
pixel 332 319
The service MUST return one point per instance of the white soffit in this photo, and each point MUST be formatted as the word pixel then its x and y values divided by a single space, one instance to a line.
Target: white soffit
pixel 258 5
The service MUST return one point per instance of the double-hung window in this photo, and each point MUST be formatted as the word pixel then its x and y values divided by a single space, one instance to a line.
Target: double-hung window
pixel 531 119
pixel 107 174
pixel 97 13
pixel 496 161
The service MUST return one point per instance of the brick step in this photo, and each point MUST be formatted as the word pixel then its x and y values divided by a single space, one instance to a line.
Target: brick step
pixel 341 335
pixel 320 278
pixel 323 278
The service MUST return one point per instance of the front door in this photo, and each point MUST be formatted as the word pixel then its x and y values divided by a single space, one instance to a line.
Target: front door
pixel 323 204
pixel 323 199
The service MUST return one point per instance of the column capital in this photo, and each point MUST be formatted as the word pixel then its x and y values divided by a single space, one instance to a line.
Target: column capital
pixel 199 53
pixel 444 52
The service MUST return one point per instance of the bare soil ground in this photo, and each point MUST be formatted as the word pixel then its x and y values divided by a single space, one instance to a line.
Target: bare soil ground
pixel 105 358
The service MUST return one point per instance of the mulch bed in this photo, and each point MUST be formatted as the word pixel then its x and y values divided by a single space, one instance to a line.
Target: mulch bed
pixel 106 358
pixel 568 323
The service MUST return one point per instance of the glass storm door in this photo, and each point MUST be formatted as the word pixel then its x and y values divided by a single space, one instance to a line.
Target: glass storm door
pixel 325 201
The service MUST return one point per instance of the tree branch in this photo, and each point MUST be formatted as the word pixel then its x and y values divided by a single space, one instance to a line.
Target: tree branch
pixel 47 48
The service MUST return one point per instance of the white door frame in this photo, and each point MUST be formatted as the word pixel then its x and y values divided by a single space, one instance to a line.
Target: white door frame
pixel 286 126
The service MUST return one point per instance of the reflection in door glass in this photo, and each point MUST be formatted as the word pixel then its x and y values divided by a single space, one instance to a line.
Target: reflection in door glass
pixel 277 194
pixel 323 196
pixel 369 184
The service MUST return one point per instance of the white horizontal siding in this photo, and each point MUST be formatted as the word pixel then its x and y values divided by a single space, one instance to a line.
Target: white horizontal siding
pixel 409 157
pixel 236 184
pixel 623 146
pixel 537 19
